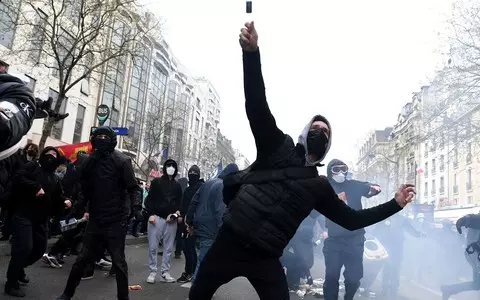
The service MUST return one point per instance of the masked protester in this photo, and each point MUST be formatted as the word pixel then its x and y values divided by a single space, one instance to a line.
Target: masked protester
pixel 36 193
pixel 344 247
pixel 179 241
pixel 205 213
pixel 268 201
pixel 189 249
pixel 111 193
pixel 472 254
pixel 163 208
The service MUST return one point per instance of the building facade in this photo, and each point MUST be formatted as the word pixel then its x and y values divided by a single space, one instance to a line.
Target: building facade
pixel 241 160
pixel 225 150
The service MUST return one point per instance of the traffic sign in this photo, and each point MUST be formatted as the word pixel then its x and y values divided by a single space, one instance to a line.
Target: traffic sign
pixel 103 111
pixel 118 130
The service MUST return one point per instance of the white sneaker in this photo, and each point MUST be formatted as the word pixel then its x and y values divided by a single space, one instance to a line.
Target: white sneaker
pixel 166 277
pixel 151 278
pixel 103 264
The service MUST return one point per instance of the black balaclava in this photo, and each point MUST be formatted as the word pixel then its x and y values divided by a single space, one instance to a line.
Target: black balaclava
pixel 106 145
pixel 337 171
pixel 315 141
pixel 193 175
pixel 48 162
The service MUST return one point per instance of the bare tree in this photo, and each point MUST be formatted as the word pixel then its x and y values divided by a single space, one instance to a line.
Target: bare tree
pixel 75 39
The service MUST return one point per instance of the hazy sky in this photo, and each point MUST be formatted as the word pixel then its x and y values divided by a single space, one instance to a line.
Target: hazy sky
pixel 356 62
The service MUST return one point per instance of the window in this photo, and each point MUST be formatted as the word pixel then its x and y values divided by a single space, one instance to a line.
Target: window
pixel 154 124
pixel 442 163
pixel 455 184
pixel 65 47
pixel 434 166
pixel 195 148
pixel 425 193
pixel 58 126
pixel 434 187
pixel 9 10
pixel 197 125
pixel 31 83
pixel 455 158
pixel 442 185
pixel 77 132
pixel 426 150
pixel 426 169
pixel 469 179
pixel 198 104
pixel 442 141
pixel 37 35
pixel 136 99
pixel 470 199
pixel 469 153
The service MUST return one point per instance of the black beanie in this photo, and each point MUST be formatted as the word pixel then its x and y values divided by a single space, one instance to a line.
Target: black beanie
pixel 194 169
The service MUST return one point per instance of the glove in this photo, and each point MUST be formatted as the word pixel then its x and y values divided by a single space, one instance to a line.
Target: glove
pixel 137 214
pixel 463 222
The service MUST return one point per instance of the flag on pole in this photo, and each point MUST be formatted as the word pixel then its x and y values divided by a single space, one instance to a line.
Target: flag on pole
pixel 216 171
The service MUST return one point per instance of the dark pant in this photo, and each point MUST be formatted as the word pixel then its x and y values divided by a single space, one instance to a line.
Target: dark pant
pixel 298 261
pixel 66 241
pixel 29 242
pixel 338 253
pixel 95 236
pixel 6 217
pixel 179 239
pixel 190 253
pixel 229 258
pixel 391 276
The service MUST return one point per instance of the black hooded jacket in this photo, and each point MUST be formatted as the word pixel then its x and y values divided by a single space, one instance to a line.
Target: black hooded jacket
pixel 165 194
pixel 27 183
pixel 351 192
pixel 188 195
pixel 109 186
pixel 268 201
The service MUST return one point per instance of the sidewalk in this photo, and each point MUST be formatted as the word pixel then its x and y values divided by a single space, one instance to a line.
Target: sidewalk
pixel 130 240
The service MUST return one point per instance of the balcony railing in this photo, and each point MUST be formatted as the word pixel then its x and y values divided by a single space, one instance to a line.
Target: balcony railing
pixel 455 189
pixel 433 192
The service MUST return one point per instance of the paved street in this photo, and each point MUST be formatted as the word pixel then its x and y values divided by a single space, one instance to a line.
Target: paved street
pixel 46 283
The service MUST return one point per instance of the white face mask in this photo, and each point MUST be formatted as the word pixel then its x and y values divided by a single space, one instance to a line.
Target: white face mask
pixel 170 171
pixel 340 178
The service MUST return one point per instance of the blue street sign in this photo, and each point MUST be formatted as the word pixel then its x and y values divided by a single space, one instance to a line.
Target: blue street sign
pixel 117 130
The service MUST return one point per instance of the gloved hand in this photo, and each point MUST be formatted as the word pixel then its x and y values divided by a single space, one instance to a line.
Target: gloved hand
pixel 463 222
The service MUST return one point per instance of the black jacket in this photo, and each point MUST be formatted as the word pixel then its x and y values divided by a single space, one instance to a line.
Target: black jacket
pixel 188 195
pixel 29 179
pixel 110 189
pixel 266 214
pixel 164 196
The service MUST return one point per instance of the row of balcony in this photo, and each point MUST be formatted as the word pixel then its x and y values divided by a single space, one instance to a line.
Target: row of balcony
pixel 441 190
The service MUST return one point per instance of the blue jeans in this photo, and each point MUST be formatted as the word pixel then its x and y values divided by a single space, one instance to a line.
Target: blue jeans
pixel 204 244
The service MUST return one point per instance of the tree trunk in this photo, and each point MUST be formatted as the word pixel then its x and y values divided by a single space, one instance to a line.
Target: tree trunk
pixel 47 130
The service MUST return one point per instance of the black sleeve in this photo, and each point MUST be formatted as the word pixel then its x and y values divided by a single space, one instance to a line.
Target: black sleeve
pixel 193 206
pixel 58 199
pixel 25 180
pixel 364 188
pixel 131 185
pixel 474 221
pixel 179 198
pixel 329 205
pixel 408 227
pixel 262 123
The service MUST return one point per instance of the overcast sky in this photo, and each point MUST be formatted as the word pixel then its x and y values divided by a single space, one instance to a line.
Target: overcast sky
pixel 355 62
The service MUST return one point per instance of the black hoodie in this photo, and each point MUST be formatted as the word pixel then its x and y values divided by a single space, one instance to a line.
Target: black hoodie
pixel 27 183
pixel 349 191
pixel 165 194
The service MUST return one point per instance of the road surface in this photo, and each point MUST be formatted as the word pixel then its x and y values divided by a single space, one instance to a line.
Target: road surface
pixel 47 283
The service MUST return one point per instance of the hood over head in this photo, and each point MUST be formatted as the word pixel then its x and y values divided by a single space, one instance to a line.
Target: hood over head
pixel 302 139
pixel 47 164
pixel 30 145
pixel 194 169
pixel 104 130
pixel 229 169
pixel 170 162
pixel 333 162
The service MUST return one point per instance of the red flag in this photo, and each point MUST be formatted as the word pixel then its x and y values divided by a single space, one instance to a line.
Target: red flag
pixel 70 151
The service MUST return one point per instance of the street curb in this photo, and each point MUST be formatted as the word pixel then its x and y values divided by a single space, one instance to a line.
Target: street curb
pixel 130 240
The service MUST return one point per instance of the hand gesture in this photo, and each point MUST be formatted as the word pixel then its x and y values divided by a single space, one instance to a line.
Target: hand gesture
pixel 86 216
pixel 151 220
pixel 40 193
pixel 325 235
pixel 179 220
pixel 405 194
pixel 249 37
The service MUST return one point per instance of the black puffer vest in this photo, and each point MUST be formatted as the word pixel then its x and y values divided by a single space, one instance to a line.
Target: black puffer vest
pixel 267 202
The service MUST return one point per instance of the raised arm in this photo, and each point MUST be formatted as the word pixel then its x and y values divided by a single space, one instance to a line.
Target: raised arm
pixel 268 136
pixel 336 210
